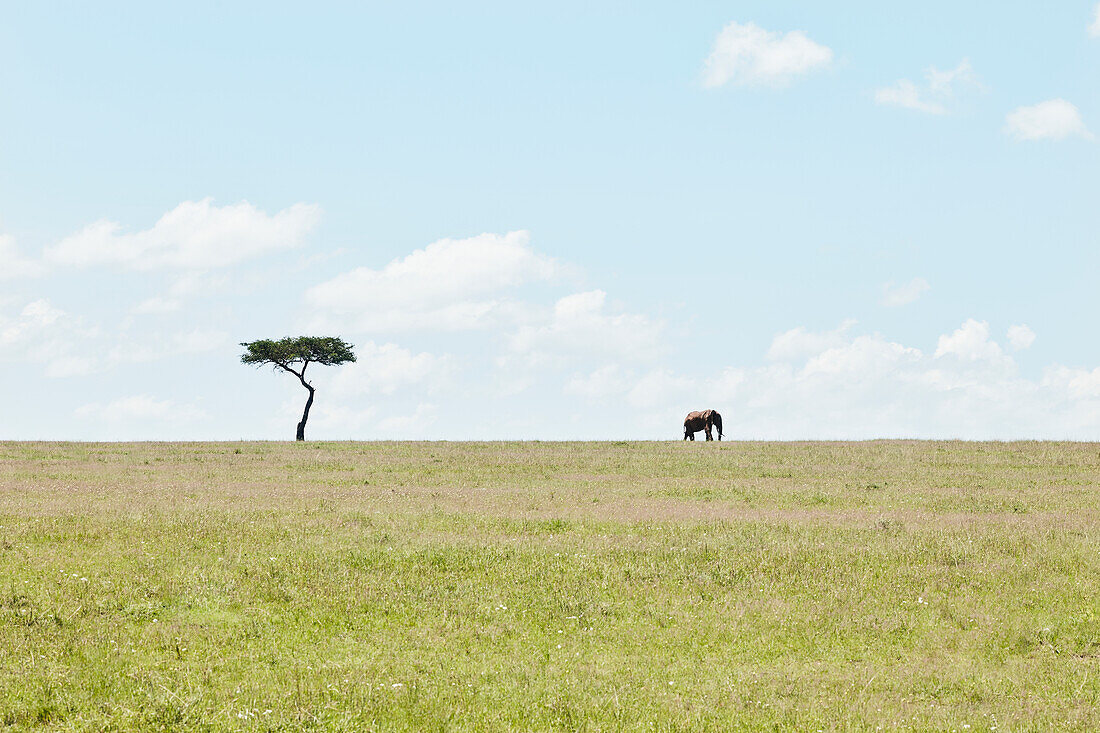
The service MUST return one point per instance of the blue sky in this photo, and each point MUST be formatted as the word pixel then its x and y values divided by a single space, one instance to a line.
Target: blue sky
pixel 823 220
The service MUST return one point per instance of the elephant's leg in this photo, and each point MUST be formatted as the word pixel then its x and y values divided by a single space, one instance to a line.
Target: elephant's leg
pixel 692 435
pixel 707 431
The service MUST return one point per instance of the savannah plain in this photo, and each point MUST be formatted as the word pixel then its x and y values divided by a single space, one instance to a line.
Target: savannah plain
pixel 550 586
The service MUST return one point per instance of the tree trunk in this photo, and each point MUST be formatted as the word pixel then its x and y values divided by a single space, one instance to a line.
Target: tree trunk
pixel 301 435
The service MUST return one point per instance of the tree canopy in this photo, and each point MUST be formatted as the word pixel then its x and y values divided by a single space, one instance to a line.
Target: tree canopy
pixel 304 350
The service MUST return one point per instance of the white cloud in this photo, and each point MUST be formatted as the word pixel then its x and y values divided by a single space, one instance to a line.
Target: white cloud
pixel 198 341
pixel 582 327
pixel 387 368
pixel 1020 336
pixel 13 265
pixel 1094 28
pixel 1078 383
pixel 409 425
pixel 335 419
pixel 66 346
pixel 728 385
pixel 904 93
pixel 70 366
pixel 1054 119
pixel 374 396
pixel 747 55
pixel 156 305
pixel 935 95
pixel 606 381
pixel 662 388
pixel 189 284
pixel 866 386
pixel 141 408
pixel 42 333
pixel 339 420
pixel 156 346
pixel 34 317
pixel 897 295
pixel 194 235
pixel 800 343
pixel 655 387
pixel 452 284
pixel 969 342
pixel 945 82
pixel 861 356
pixel 651 400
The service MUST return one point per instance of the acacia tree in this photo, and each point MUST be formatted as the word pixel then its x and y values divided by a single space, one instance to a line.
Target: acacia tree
pixel 294 355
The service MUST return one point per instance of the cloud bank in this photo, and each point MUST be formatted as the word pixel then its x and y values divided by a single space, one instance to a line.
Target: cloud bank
pixel 845 385
pixel 195 235
pixel 450 285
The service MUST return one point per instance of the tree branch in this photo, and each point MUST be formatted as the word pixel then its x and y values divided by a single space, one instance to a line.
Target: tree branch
pixel 286 367
pixel 302 376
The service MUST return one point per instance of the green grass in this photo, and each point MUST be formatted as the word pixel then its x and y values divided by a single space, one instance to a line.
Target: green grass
pixel 550 586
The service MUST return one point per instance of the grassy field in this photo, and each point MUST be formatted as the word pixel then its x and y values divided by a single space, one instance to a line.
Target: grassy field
pixel 541 586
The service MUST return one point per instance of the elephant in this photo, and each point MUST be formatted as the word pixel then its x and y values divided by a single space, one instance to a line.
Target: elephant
pixel 696 421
